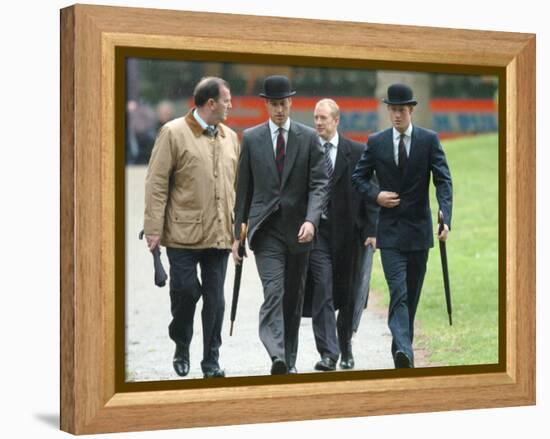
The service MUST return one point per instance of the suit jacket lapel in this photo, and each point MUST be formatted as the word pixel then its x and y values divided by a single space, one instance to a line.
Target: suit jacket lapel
pixel 294 137
pixel 413 152
pixel 268 152
pixel 342 158
pixel 388 150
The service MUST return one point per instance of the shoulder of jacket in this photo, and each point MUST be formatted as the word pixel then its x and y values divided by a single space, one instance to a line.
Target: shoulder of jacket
pixel 302 127
pixel 255 129
pixel 354 146
pixel 375 137
pixel 424 131
pixel 176 124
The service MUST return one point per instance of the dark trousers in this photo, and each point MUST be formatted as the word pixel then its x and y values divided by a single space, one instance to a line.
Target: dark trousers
pixel 404 272
pixel 185 291
pixel 350 284
pixel 283 276
pixel 322 303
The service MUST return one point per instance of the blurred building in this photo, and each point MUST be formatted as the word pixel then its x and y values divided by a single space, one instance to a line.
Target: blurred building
pixel 157 90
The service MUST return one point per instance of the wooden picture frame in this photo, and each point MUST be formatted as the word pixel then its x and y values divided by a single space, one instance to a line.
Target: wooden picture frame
pixel 91 400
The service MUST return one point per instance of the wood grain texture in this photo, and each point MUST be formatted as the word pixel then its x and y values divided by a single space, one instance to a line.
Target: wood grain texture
pixel 89 36
pixel 67 253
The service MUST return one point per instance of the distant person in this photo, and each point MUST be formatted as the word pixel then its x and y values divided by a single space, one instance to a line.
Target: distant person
pixel 281 189
pixel 165 113
pixel 403 158
pixel 347 227
pixel 189 197
pixel 141 125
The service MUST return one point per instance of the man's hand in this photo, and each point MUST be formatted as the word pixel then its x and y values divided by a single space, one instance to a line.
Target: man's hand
pixel 444 233
pixel 152 241
pixel 371 241
pixel 235 252
pixel 306 232
pixel 388 199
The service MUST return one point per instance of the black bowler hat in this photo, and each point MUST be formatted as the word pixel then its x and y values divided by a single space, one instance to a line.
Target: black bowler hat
pixel 277 87
pixel 399 94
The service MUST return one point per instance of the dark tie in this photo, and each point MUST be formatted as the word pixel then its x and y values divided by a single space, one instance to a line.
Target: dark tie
pixel 402 160
pixel 330 171
pixel 280 153
pixel 211 131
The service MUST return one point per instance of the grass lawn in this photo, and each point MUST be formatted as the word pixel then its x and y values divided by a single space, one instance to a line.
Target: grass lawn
pixel 472 251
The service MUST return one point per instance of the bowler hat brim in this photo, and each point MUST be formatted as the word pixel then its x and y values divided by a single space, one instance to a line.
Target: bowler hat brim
pixel 409 102
pixel 278 96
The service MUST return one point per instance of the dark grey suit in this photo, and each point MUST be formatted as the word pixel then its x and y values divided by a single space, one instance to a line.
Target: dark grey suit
pixel 275 209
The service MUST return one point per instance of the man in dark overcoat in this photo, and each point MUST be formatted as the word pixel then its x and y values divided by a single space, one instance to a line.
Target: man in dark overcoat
pixel 347 227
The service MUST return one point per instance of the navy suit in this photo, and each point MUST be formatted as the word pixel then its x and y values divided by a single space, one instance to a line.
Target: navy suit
pixel 405 233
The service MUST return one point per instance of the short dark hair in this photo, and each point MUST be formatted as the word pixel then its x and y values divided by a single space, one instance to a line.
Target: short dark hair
pixel 208 88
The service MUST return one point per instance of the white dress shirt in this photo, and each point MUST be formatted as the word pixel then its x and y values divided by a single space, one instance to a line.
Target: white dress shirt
pixel 274 130
pixel 333 149
pixel 406 139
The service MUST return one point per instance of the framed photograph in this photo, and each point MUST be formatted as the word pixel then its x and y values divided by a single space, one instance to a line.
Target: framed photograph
pixel 113 61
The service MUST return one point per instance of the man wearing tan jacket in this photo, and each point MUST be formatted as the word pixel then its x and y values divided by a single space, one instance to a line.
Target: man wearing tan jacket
pixel 189 197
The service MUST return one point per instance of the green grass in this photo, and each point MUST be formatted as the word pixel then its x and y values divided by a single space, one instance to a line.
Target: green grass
pixel 472 251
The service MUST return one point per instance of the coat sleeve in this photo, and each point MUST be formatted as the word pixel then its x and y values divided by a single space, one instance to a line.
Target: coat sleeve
pixel 363 173
pixel 318 182
pixel 442 180
pixel 244 188
pixel 372 210
pixel 157 182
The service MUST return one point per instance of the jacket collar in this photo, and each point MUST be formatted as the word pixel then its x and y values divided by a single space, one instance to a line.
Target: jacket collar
pixel 196 128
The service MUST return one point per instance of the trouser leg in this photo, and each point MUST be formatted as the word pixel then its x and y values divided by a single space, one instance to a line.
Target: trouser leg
pixel 213 263
pixel 394 264
pixel 293 302
pixel 323 314
pixel 270 254
pixel 416 270
pixel 185 291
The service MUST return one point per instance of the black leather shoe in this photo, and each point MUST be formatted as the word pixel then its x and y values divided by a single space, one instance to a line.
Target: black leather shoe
pixel 402 360
pixel 292 370
pixel 214 373
pixel 181 360
pixel 347 361
pixel 326 364
pixel 278 367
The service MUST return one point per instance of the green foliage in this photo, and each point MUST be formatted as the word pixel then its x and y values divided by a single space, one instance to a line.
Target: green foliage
pixel 472 250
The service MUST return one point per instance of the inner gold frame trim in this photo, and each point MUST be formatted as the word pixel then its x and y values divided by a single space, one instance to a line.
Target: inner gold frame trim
pixel 91 400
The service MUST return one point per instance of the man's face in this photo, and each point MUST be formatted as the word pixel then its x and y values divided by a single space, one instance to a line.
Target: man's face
pixel 221 107
pixel 279 110
pixel 400 116
pixel 325 123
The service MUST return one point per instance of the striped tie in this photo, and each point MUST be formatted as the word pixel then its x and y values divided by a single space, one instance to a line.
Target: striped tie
pixel 280 153
pixel 330 171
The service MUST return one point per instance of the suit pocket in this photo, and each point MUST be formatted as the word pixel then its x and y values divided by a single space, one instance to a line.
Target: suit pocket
pixel 186 226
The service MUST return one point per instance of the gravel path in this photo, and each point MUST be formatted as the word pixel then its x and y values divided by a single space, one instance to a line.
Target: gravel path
pixel 149 349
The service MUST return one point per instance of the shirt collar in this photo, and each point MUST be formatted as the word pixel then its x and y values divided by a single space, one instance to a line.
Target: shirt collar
pixel 408 132
pixel 273 127
pixel 199 119
pixel 195 126
pixel 333 141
